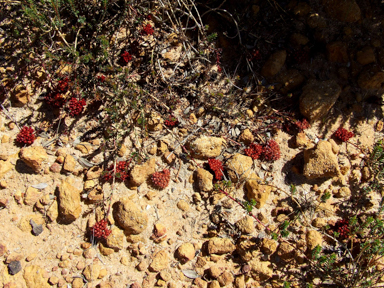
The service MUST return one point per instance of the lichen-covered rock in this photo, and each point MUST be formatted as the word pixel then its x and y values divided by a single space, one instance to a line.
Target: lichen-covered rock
pixel 140 173
pixel 69 200
pixel 256 191
pixel 204 180
pixel 318 97
pixel 320 161
pixel 129 217
pixel 33 157
pixel 274 64
pixel 239 167
pixel 206 147
pixel 220 246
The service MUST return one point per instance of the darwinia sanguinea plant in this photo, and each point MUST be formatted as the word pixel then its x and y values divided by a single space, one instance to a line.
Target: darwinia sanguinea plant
pixel 217 167
pixel 100 230
pixel 147 30
pixel 171 122
pixel 26 136
pixel 56 98
pixel 341 227
pixel 161 179
pixel 122 171
pixel 302 125
pixel 343 134
pixel 254 151
pixel 126 57
pixel 271 151
pixel 76 106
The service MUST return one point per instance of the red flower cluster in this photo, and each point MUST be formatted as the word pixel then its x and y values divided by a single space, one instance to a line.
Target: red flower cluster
pixel 100 229
pixel 26 136
pixel 171 122
pixel 126 57
pixel 62 86
pixel 56 98
pixel 101 78
pixel 217 167
pixel 76 106
pixel 161 179
pixel 147 30
pixel 343 134
pixel 342 227
pixel 302 125
pixel 270 151
pixel 122 171
pixel 254 151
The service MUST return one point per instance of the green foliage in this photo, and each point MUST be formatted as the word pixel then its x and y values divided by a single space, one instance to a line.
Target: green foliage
pixel 249 205
pixel 212 37
pixel 325 196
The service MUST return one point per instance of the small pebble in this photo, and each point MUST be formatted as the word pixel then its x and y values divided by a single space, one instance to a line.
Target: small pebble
pixel 14 267
pixel 36 229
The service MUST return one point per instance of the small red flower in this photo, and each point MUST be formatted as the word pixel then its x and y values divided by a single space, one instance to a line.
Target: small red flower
pixel 302 125
pixel 101 78
pixel 76 106
pixel 271 151
pixel 254 151
pixel 147 30
pixel 171 122
pixel 26 136
pixel 62 86
pixel 161 179
pixel 217 167
pixel 100 229
pixel 122 171
pixel 126 57
pixel 343 134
